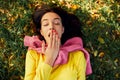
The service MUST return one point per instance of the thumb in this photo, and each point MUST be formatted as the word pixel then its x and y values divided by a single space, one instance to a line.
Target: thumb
pixel 43 46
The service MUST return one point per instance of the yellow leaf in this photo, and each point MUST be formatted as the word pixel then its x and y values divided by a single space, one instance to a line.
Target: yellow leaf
pixel 117 75
pixel 25 28
pixel 68 0
pixel 101 40
pixel 74 7
pixel 89 22
pixel 101 54
pixel 25 12
pixel 95 53
pixel 116 60
pixel 29 5
pixel 11 65
pixel 11 19
pixel 11 57
pixel 16 16
pixel 2 11
pixel 21 77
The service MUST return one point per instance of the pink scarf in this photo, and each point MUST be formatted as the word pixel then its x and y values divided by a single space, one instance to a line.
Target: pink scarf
pixel 70 45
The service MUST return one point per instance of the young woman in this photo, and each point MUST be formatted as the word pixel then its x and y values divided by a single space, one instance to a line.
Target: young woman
pixel 57 52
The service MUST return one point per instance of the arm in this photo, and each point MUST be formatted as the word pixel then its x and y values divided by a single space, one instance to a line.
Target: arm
pixel 41 72
pixel 81 66
pixel 43 69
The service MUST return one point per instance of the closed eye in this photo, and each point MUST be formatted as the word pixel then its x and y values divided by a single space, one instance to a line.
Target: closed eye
pixel 45 24
pixel 57 21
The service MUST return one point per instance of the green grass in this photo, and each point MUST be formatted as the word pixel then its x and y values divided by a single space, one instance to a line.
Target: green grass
pixel 101 29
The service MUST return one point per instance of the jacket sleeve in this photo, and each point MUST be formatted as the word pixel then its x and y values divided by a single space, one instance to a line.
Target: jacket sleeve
pixel 81 66
pixel 32 72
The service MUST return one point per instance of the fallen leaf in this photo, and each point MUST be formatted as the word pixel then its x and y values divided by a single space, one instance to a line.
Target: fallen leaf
pixel 101 40
pixel 101 54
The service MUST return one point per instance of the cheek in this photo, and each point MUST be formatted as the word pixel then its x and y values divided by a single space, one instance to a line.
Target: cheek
pixel 60 32
pixel 43 31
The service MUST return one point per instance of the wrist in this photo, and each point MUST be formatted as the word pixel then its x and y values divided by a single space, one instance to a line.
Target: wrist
pixel 49 61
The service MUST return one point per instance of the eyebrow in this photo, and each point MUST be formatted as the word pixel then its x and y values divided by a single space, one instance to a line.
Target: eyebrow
pixel 53 19
pixel 57 19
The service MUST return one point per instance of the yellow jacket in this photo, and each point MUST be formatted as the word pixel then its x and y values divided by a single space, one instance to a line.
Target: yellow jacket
pixel 36 69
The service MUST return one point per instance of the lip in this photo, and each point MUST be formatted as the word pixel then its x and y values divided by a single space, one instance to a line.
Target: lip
pixel 52 31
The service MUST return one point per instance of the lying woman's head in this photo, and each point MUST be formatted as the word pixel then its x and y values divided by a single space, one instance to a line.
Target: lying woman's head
pixel 55 19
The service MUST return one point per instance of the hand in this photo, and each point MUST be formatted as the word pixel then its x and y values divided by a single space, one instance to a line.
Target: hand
pixel 52 50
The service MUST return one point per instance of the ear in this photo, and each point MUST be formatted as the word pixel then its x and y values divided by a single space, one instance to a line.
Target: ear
pixel 41 32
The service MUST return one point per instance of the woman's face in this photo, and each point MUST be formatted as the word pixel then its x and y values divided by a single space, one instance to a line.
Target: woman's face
pixel 51 22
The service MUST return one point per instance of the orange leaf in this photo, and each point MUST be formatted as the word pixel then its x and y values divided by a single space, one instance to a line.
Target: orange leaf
pixel 101 54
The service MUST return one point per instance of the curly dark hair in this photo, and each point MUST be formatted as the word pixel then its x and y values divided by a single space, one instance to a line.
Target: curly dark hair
pixel 70 22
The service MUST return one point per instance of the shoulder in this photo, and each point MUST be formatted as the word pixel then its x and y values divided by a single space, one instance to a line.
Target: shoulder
pixel 32 53
pixel 77 54
pixel 77 57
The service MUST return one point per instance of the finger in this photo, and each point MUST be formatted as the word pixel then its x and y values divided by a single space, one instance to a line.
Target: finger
pixel 58 42
pixel 54 39
pixel 50 39
pixel 43 46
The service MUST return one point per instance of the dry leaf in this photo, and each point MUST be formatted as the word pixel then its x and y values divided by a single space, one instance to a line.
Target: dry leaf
pixel 101 40
pixel 95 53
pixel 101 54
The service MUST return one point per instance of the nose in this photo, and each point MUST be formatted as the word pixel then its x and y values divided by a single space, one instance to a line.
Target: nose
pixel 51 26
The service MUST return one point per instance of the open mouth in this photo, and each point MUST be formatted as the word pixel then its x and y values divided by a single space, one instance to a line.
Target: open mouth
pixel 53 31
pixel 49 35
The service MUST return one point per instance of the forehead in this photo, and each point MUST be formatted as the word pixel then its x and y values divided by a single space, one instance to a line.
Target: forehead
pixel 50 15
